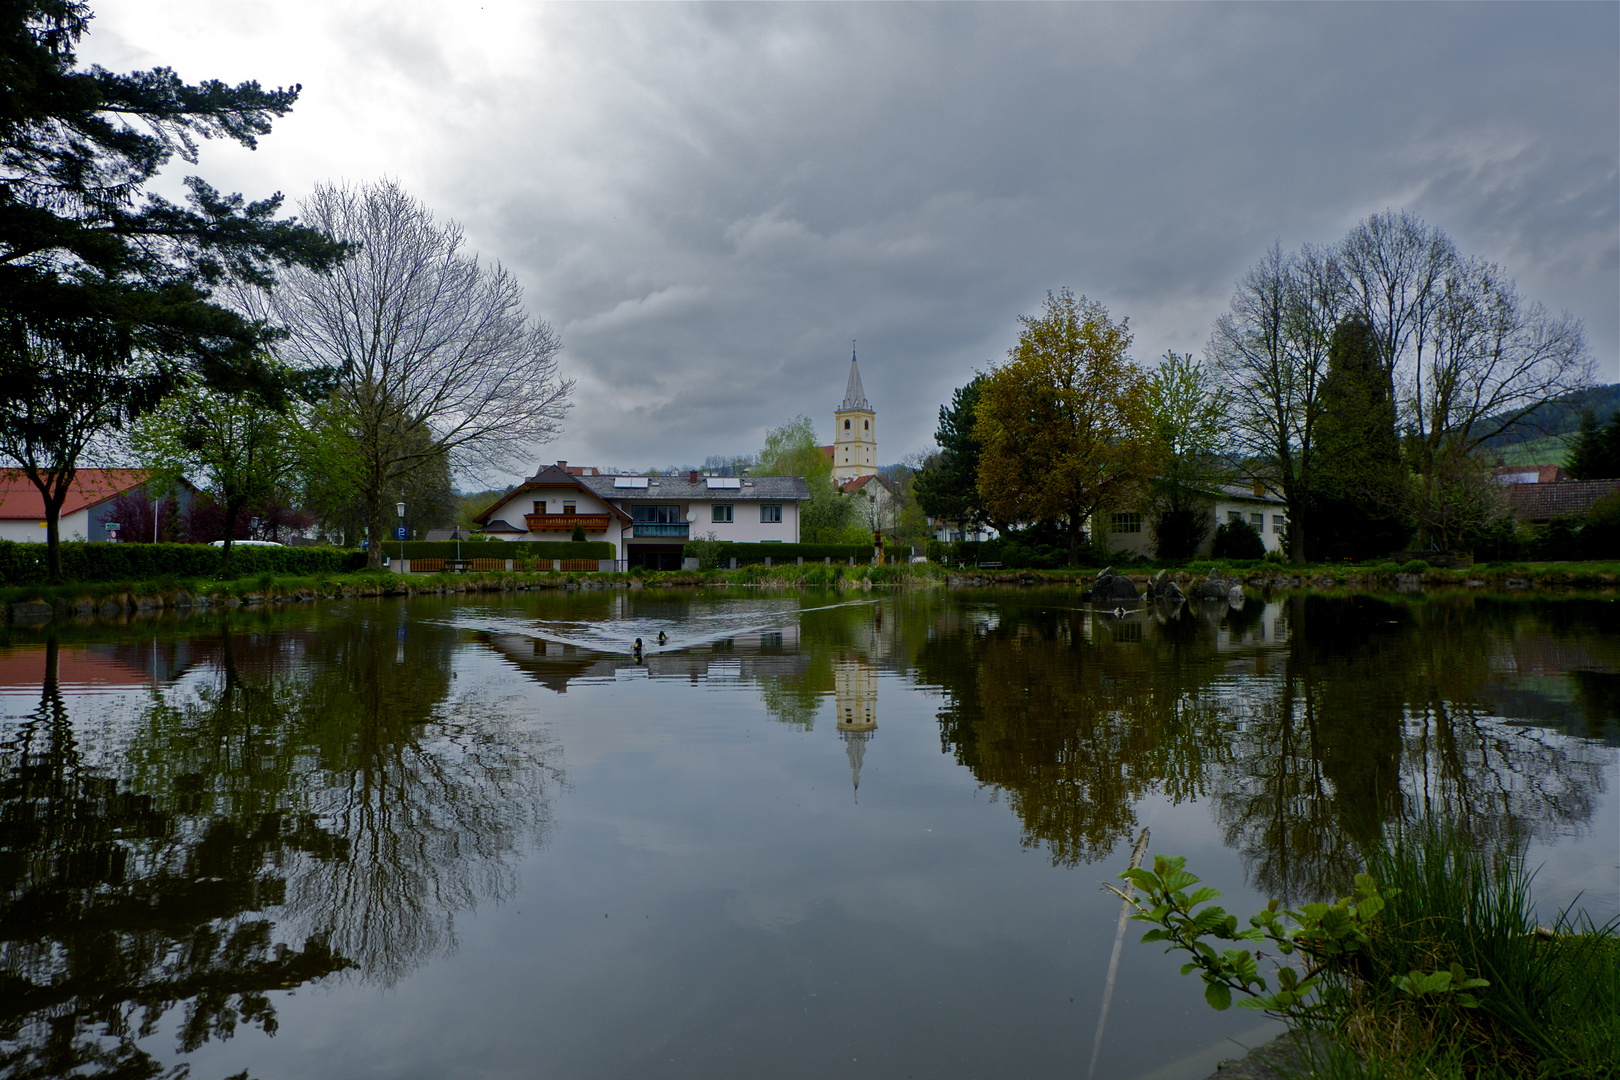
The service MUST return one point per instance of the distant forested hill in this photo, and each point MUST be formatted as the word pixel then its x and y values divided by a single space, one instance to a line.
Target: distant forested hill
pixel 1544 437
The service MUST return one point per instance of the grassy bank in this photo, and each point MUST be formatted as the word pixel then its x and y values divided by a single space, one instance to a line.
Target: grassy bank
pixel 1435 968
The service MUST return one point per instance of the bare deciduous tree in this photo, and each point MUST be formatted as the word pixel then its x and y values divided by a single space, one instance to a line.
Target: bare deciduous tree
pixel 1466 358
pixel 422 339
pixel 1270 354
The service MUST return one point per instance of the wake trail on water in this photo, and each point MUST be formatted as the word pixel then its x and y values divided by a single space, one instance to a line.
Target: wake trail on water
pixel 617 635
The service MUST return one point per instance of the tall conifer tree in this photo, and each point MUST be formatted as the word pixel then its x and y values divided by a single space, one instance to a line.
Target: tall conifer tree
pixel 1360 482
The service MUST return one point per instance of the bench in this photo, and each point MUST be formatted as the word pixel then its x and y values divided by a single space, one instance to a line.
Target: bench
pixel 989 566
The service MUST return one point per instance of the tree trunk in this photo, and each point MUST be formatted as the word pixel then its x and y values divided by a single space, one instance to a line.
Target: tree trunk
pixel 233 507
pixel 1296 527
pixel 53 518
pixel 1074 539
pixel 374 518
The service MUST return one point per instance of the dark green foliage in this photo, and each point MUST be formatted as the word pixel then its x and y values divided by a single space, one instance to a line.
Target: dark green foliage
pixel 948 485
pixel 751 554
pixel 1600 533
pixel 1357 509
pixel 95 275
pixel 578 535
pixel 25 564
pixel 1177 533
pixel 1237 540
pixel 1596 454
pixel 503 549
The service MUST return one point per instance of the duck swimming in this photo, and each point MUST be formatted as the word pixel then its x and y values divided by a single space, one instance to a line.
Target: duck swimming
pixel 662 638
pixel 638 647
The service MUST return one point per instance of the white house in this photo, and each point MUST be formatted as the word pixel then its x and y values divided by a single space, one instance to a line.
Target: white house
pixel 648 518
pixel 1133 530
pixel 85 513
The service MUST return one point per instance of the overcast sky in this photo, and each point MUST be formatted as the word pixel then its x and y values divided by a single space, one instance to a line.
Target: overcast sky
pixel 709 203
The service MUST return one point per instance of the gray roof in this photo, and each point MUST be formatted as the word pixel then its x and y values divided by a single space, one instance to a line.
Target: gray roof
pixel 854 395
pixel 682 489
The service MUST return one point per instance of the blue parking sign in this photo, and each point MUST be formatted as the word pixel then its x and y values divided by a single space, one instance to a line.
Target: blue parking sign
pixel 399 532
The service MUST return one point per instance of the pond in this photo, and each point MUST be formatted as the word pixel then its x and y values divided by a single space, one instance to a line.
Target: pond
pixel 812 834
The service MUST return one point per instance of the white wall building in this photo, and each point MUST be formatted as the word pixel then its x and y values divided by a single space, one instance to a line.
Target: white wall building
pixel 1133 530
pixel 648 518
pixel 85 513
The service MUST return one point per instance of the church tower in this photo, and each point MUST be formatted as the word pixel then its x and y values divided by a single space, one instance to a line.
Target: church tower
pixel 854 431
pixel 855 694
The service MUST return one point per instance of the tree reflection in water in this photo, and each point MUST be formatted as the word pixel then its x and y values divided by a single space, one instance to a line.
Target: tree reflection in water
pixel 327 802
pixel 1308 721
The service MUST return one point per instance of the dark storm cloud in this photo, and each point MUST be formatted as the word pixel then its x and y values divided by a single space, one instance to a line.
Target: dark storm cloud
pixel 709 202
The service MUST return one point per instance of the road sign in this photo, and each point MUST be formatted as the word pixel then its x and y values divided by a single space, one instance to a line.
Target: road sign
pixel 399 532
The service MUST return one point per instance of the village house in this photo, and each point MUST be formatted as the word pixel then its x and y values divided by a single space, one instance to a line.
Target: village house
pixel 87 513
pixel 1132 530
pixel 648 519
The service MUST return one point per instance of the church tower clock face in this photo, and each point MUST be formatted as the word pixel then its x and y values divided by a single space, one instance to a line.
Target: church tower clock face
pixel 854 430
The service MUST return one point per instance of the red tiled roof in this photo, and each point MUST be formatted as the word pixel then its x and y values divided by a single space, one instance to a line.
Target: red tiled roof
pixel 1542 502
pixel 20 499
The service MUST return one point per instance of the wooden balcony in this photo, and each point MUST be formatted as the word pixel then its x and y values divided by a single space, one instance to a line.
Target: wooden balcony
pixel 566 522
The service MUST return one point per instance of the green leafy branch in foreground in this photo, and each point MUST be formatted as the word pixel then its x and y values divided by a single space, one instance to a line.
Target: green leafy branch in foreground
pixel 1327 938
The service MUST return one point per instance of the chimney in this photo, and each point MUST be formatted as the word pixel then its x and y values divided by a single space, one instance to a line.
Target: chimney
pixel 1259 488
pixel 563 465
pixel 691 477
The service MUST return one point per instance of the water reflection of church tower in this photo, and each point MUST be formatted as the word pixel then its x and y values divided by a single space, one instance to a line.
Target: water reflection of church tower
pixel 855 691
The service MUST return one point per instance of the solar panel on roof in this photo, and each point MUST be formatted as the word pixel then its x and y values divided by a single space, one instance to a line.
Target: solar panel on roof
pixel 730 482
pixel 629 481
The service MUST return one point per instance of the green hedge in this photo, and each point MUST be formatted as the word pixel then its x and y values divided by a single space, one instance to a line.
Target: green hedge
pixel 24 564
pixel 503 549
pixel 751 554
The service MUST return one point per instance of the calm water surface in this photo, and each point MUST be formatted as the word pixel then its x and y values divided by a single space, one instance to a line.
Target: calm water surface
pixel 815 835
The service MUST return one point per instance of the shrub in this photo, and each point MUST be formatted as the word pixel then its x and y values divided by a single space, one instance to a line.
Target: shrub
pixel 1415 566
pixel 1238 540
pixel 755 554
pixel 503 549
pixel 936 550
pixel 24 564
pixel 1600 535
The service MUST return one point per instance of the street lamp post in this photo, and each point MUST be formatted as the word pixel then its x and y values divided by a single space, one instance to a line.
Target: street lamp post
pixel 401 533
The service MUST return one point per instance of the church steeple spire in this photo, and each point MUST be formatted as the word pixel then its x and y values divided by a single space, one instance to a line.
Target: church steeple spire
pixel 854 395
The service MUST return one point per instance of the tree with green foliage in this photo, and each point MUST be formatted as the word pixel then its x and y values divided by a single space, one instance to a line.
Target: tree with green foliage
pixel 827 517
pixel 1360 490
pixel 237 445
pixel 106 292
pixel 947 484
pixel 1596 453
pixel 1064 424
pixel 1189 413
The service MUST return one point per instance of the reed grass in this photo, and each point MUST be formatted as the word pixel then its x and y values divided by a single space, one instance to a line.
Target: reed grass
pixel 1552 1008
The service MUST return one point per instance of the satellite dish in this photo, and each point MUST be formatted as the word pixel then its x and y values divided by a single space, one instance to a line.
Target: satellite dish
pixel 691 515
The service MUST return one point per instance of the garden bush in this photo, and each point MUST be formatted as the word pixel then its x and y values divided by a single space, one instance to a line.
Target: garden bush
pixel 503 549
pixel 752 554
pixel 1237 540
pixel 24 564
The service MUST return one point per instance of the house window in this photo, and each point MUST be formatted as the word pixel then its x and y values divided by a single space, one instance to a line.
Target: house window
pixel 646 514
pixel 722 513
pixel 1128 523
pixel 1278 523
pixel 1233 516
pixel 568 508
pixel 539 507
pixel 770 513
pixel 1258 521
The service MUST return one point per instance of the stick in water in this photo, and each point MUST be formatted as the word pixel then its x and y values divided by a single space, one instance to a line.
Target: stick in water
pixel 1119 940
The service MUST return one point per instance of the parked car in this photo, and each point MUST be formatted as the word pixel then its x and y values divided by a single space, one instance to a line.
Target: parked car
pixel 246 543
